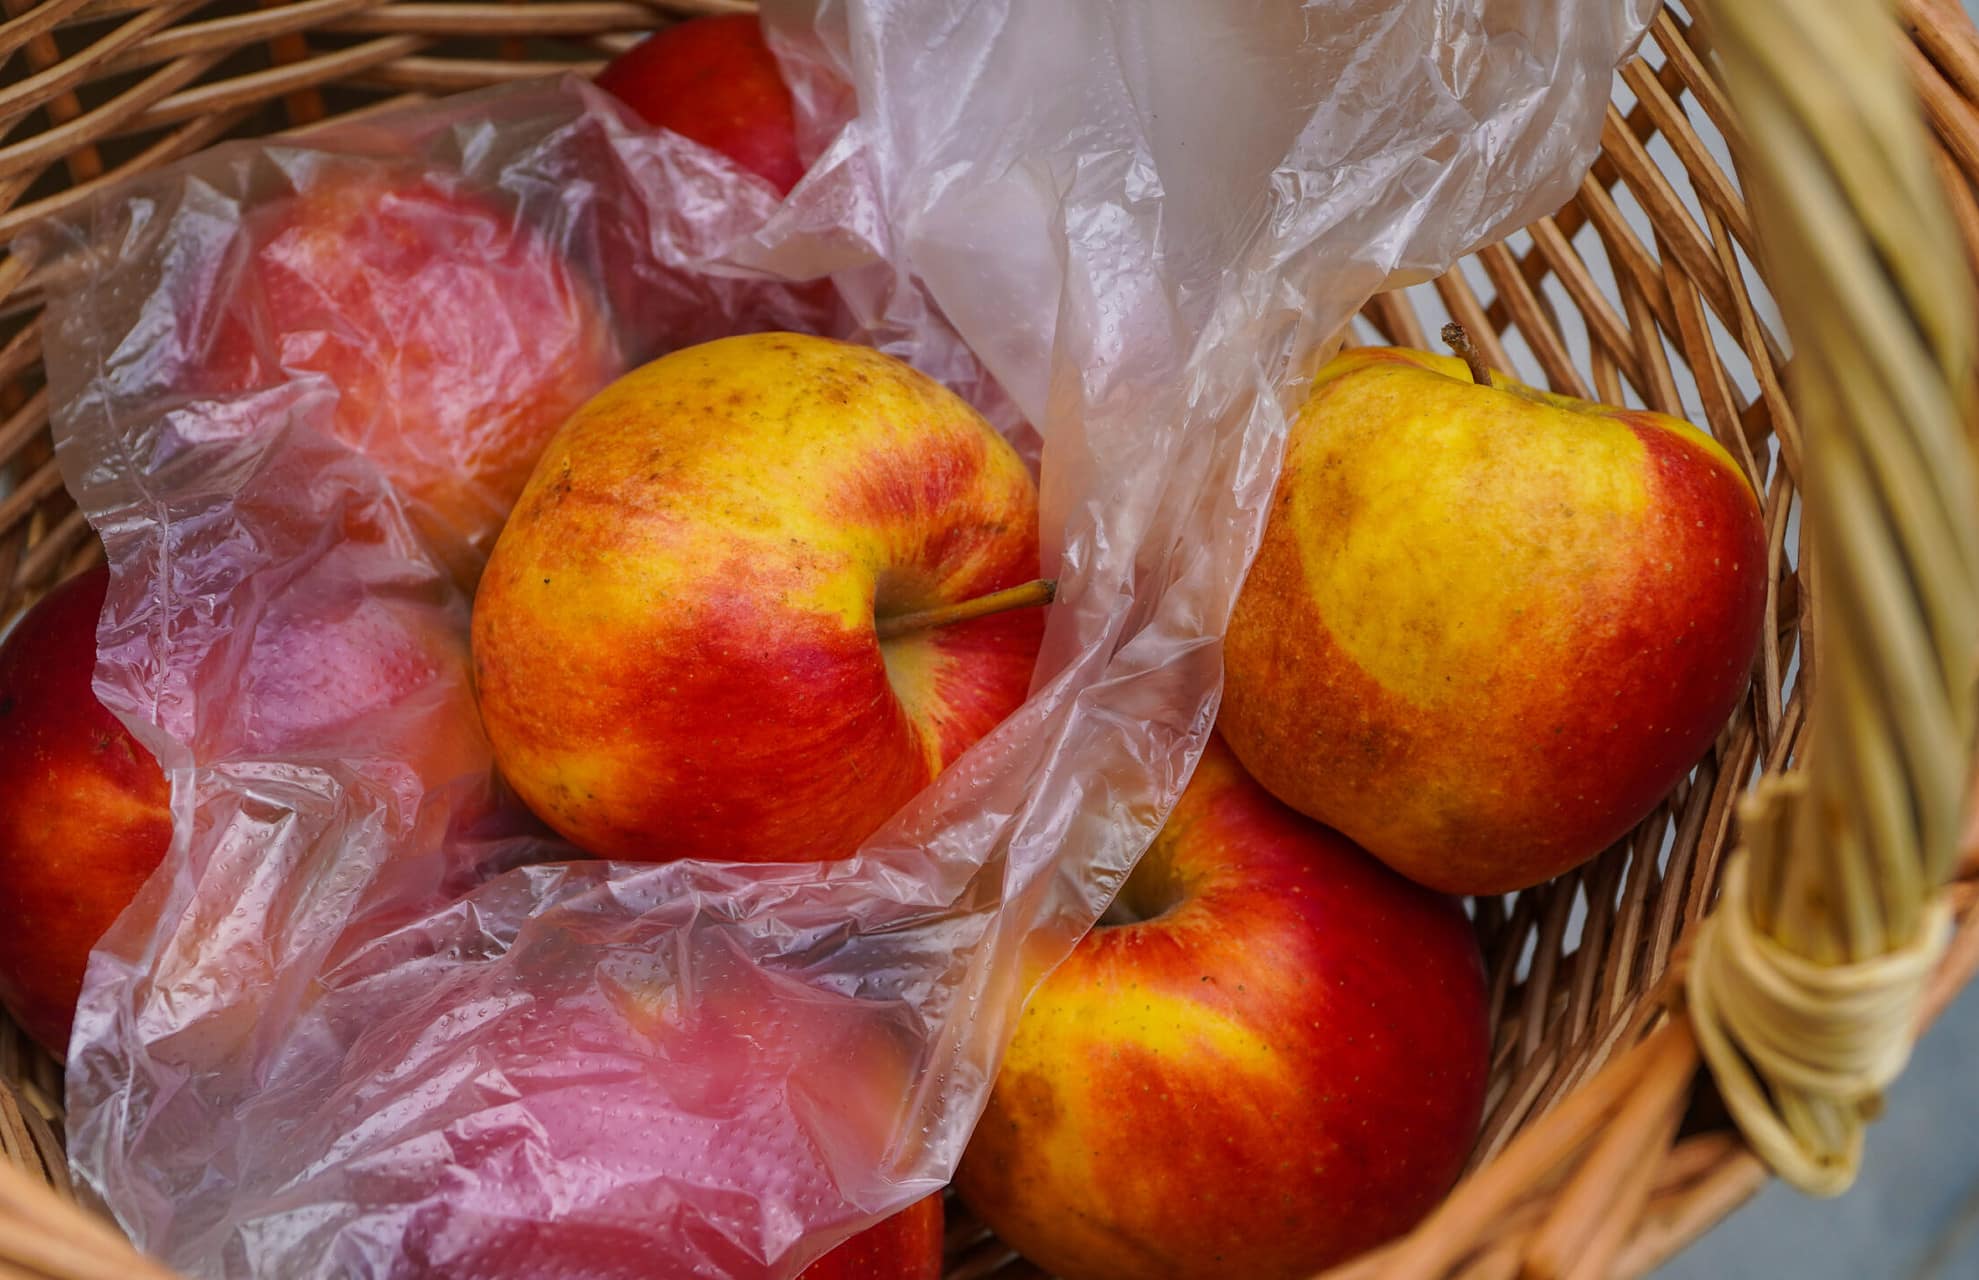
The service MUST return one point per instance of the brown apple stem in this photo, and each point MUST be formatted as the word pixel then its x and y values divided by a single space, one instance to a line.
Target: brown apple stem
pixel 1459 341
pixel 1042 591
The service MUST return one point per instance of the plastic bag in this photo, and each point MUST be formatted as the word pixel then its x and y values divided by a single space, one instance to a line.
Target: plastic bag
pixel 367 1020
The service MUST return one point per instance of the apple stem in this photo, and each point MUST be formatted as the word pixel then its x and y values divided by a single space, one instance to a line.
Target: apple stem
pixel 1459 341
pixel 1041 591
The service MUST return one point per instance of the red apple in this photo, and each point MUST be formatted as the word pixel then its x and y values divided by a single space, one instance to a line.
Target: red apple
pixel 85 816
pixel 1279 1063
pixel 85 812
pixel 678 644
pixel 354 675
pixel 906 1246
pixel 713 80
pixel 618 1121
pixel 456 337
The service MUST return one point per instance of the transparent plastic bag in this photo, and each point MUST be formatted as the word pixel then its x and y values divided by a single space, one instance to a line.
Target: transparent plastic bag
pixel 369 1019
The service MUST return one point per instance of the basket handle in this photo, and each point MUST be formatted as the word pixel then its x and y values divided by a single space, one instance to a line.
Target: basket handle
pixel 1806 982
pixel 1808 979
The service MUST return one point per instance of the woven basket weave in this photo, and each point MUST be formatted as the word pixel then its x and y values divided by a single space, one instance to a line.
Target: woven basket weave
pixel 1606 1146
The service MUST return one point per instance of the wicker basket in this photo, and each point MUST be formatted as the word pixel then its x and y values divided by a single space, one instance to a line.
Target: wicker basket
pixel 1798 979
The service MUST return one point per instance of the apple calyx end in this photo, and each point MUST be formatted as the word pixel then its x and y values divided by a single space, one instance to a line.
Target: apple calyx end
pixel 1458 339
pixel 1039 591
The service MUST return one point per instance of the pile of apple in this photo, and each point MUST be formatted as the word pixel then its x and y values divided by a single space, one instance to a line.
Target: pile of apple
pixel 747 600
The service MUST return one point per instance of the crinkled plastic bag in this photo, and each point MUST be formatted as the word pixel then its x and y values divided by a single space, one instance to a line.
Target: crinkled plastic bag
pixel 369 1019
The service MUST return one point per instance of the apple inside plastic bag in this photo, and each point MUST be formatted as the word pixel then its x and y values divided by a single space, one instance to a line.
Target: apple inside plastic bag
pixel 366 1020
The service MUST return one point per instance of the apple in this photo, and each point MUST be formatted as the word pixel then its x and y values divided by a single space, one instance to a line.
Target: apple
pixel 85 812
pixel 901 1247
pixel 711 628
pixel 627 1109
pixel 346 674
pixel 455 336
pixel 906 1246
pixel 1488 627
pixel 714 81
pixel 1275 1060
pixel 1270 1057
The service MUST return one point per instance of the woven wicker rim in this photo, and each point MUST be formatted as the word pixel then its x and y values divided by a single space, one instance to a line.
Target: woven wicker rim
pixel 1641 289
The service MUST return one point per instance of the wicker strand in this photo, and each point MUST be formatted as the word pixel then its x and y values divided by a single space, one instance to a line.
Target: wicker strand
pixel 1807 980
pixel 43 1235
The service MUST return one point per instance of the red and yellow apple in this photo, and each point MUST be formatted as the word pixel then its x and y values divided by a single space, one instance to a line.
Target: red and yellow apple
pixel 906 1246
pixel 1489 627
pixel 456 337
pixel 85 812
pixel 678 642
pixel 713 80
pixel 1277 1062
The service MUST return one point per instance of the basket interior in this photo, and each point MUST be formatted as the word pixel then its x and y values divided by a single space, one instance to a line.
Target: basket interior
pixel 1642 290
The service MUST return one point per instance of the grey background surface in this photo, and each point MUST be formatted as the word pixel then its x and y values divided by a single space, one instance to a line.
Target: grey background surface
pixel 1915 1213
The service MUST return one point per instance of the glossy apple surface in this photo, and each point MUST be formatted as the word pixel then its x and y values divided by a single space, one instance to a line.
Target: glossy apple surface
pixel 714 80
pixel 1488 628
pixel 454 337
pixel 1279 1063
pixel 906 1246
pixel 675 644
pixel 85 812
